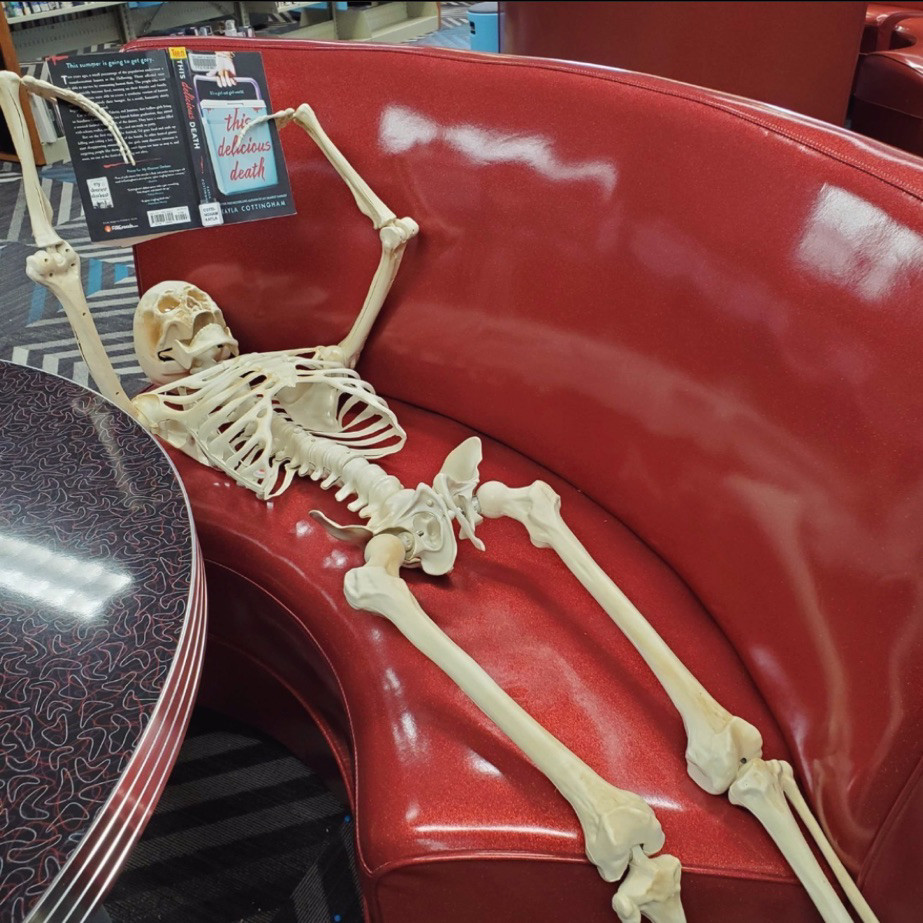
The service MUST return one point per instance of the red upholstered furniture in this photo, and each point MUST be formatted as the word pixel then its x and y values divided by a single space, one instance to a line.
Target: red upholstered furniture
pixel 699 319
pixel 880 22
pixel 888 93
pixel 799 55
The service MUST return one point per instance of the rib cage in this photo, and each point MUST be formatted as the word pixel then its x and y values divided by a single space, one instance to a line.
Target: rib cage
pixel 263 417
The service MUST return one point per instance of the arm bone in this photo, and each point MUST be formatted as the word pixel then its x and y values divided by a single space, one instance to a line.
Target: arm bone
pixel 393 231
pixel 50 91
pixel 37 205
pixel 793 793
pixel 57 265
pixel 394 237
pixel 369 204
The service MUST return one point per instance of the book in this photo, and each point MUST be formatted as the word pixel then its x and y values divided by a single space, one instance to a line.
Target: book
pixel 182 115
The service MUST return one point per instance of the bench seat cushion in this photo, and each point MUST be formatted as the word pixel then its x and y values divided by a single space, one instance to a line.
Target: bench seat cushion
pixel 452 822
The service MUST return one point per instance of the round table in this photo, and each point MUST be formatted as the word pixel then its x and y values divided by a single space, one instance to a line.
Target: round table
pixel 102 629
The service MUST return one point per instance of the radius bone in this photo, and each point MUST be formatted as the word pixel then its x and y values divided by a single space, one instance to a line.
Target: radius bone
pixel 57 265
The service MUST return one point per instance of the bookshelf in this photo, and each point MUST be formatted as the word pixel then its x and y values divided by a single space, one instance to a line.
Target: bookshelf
pixel 395 21
pixel 48 14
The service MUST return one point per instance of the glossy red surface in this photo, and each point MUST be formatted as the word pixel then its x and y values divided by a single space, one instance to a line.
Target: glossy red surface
pixel 888 93
pixel 432 782
pixel 880 22
pixel 702 313
pixel 799 55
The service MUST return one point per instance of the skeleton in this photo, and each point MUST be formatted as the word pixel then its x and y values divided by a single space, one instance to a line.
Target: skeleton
pixel 264 418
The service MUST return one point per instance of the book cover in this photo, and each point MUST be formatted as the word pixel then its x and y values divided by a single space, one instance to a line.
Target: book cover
pixel 182 119
pixel 239 176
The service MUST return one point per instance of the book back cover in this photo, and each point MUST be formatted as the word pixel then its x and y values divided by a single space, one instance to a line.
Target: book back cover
pixel 138 90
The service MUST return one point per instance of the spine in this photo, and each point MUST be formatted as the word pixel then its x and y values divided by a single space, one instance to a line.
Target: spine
pixel 334 464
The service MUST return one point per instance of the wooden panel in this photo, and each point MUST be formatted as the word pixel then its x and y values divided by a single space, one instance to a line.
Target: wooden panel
pixel 10 62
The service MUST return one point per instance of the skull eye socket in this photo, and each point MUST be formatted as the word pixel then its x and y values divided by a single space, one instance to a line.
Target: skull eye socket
pixel 167 303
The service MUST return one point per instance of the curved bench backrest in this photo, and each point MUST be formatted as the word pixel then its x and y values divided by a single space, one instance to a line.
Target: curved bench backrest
pixel 705 313
pixel 800 55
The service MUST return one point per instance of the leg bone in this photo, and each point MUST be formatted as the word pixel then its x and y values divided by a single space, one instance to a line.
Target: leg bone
pixel 614 822
pixel 651 887
pixel 724 751
pixel 718 742
pixel 759 789
pixel 793 793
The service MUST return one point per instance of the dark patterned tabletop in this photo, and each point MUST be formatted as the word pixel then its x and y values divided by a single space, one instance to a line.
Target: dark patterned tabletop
pixel 101 633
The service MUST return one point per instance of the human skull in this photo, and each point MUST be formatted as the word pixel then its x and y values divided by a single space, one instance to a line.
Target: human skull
pixel 179 330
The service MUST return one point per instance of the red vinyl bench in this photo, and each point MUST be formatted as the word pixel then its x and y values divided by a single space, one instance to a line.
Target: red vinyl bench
pixel 699 318
pixel 887 101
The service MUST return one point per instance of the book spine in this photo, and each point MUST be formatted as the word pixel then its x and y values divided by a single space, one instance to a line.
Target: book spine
pixel 194 132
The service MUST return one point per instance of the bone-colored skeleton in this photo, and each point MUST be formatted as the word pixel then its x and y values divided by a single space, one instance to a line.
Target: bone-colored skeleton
pixel 263 418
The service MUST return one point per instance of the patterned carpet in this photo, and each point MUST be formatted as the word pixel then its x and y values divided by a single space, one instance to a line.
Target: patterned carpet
pixel 454 31
pixel 33 328
pixel 244 833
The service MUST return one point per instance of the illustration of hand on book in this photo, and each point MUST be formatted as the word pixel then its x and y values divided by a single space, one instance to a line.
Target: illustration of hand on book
pixel 223 71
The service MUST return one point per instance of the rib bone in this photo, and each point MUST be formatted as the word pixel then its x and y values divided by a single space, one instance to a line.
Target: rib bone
pixel 723 751
pixel 263 417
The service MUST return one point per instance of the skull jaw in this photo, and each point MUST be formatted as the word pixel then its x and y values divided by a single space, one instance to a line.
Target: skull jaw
pixel 211 345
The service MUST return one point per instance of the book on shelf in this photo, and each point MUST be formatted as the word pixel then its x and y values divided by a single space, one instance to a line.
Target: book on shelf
pixel 44 112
